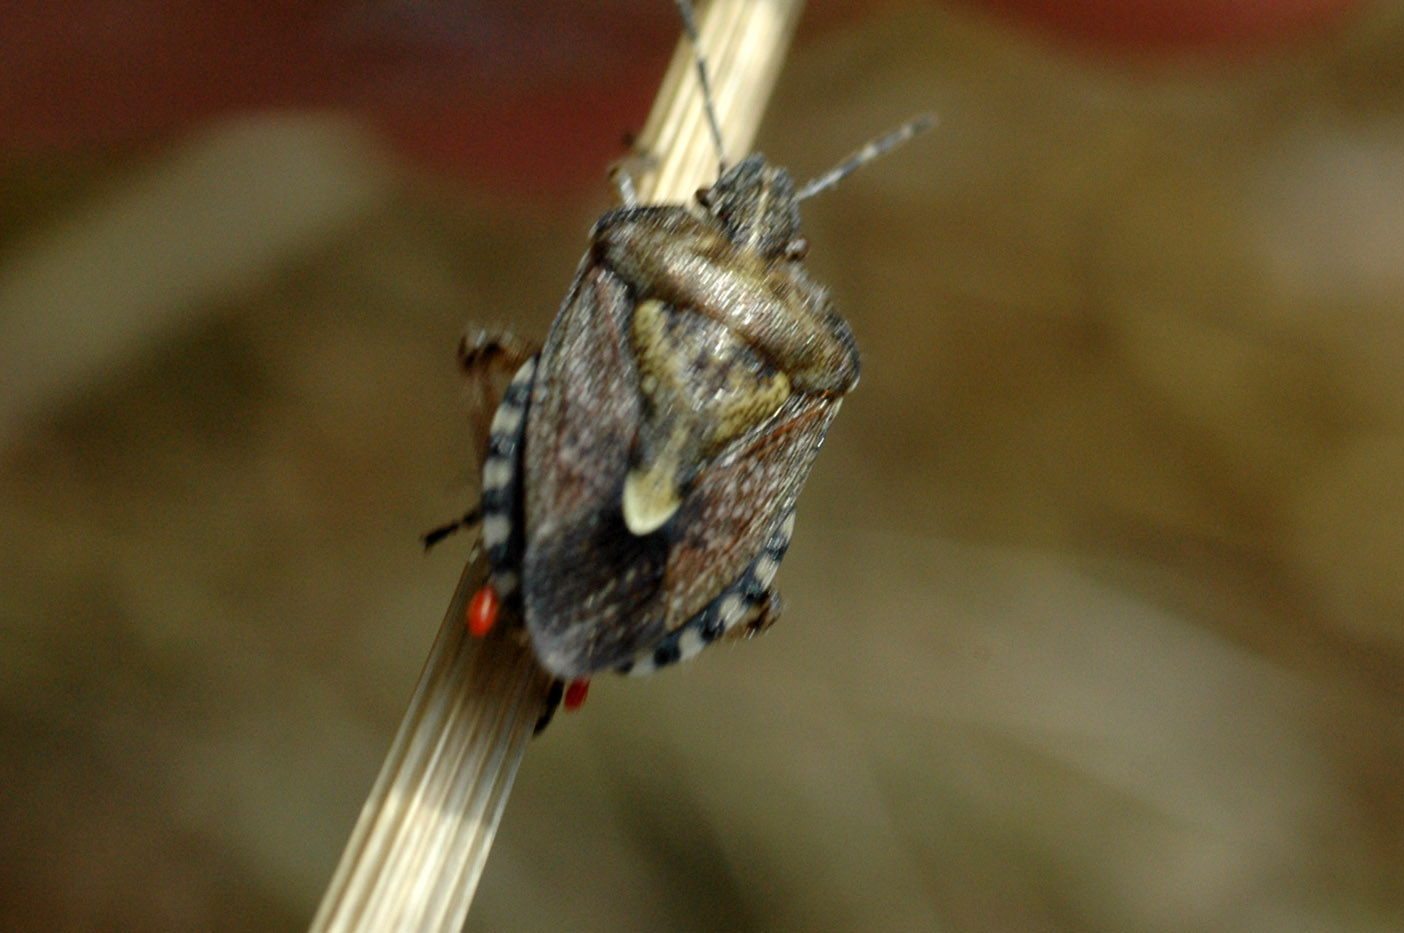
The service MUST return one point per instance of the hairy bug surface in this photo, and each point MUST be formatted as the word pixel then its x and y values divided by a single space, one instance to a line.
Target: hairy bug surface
pixel 640 483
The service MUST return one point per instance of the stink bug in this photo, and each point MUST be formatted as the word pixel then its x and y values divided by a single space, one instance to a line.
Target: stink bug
pixel 642 469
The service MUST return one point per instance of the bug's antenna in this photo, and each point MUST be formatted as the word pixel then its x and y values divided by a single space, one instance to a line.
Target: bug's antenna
pixel 869 152
pixel 690 27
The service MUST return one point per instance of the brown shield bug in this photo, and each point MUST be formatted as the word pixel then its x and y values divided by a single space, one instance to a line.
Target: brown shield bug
pixel 642 469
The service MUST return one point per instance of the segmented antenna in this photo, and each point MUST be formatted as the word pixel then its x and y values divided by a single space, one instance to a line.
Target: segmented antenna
pixel 869 152
pixel 690 27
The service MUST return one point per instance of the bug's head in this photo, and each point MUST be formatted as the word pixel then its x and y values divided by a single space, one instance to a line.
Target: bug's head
pixel 755 203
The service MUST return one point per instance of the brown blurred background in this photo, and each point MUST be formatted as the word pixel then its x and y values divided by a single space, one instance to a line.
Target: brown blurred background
pixel 1095 610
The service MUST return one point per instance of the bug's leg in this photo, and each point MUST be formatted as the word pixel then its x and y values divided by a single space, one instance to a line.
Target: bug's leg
pixel 623 184
pixel 487 360
pixel 469 519
pixel 553 700
pixel 562 695
pixel 480 349
pixel 623 172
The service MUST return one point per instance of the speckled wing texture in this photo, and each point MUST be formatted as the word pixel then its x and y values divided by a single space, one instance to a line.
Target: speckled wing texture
pixel 595 594
pixel 723 523
pixel 592 592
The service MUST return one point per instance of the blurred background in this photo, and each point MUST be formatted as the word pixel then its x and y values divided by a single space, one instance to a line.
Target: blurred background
pixel 1095 608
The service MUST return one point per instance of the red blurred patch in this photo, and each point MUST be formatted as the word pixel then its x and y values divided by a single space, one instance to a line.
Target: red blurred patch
pixel 575 694
pixel 530 95
pixel 530 98
pixel 482 611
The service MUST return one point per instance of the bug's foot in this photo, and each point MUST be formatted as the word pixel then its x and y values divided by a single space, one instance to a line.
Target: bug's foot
pixel 480 349
pixel 434 535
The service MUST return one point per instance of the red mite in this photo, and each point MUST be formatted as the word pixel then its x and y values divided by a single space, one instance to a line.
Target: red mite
pixel 575 694
pixel 482 611
pixel 482 616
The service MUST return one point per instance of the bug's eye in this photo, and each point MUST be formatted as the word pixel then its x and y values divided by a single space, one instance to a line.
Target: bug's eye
pixel 797 248
pixel 704 197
